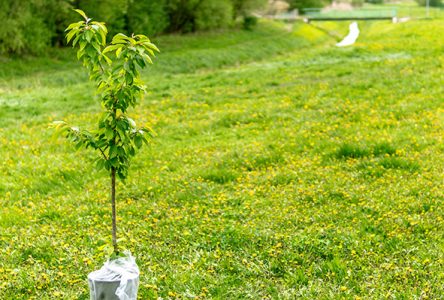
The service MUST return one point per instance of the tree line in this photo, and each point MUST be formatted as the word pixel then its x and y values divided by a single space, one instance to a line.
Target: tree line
pixel 31 26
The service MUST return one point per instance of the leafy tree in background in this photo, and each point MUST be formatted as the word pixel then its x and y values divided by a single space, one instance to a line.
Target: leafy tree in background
pixel 31 26
pixel 434 3
pixel 182 14
pixel 375 1
pixel 301 4
pixel 193 15
pixel 242 8
pixel 214 14
pixel 147 16
pixel 54 14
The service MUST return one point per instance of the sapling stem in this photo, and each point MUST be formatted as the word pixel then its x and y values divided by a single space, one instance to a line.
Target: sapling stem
pixel 113 205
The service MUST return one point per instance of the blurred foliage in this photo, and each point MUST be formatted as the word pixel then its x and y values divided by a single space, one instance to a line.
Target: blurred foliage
pixel 149 17
pixel 434 3
pixel 357 3
pixel 249 22
pixel 375 1
pixel 30 27
pixel 244 7
pixel 214 14
pixel 301 4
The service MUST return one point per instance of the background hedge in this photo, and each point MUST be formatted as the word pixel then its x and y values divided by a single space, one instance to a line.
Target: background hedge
pixel 30 27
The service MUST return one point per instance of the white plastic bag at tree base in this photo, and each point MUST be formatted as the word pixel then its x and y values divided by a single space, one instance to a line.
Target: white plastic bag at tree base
pixel 119 277
pixel 352 36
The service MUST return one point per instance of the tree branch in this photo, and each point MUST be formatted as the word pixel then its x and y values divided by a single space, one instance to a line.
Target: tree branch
pixel 103 153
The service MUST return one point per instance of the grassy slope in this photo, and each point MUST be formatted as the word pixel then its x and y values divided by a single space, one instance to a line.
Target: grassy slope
pixel 284 172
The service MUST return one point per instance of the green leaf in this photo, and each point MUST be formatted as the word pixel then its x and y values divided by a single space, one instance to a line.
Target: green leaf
pixel 100 164
pixel 71 34
pixel 128 78
pixel 82 45
pixel 121 151
pixel 149 51
pixel 74 42
pixel 152 46
pixel 131 151
pixel 107 59
pixel 80 53
pixel 118 52
pixel 121 176
pixel 82 13
pixel 103 36
pixel 131 40
pixel 109 133
pixel 138 141
pixel 146 57
pixel 119 38
pixel 89 35
pixel 57 124
pixel 74 25
pixel 79 145
pixel 112 48
pixel 112 151
pixel 142 37
pixel 101 25
pixel 140 62
pixel 145 140
pixel 96 46
pixel 114 162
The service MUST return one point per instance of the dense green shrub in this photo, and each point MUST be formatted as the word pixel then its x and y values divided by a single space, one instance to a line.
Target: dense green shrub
pixel 54 14
pixel 29 27
pixel 249 22
pixel 435 3
pixel 357 3
pixel 375 1
pixel 244 7
pixel 42 22
pixel 182 15
pixel 147 16
pixel 214 14
pixel 301 4
pixel 193 15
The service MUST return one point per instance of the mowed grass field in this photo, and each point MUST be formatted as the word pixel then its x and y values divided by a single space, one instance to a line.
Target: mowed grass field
pixel 284 168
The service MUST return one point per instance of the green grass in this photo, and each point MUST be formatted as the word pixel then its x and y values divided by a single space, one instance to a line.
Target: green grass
pixel 284 168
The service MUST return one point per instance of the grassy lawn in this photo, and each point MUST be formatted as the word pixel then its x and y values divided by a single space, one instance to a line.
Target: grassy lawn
pixel 284 168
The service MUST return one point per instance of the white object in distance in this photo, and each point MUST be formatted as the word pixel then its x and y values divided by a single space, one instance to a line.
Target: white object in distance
pixel 352 36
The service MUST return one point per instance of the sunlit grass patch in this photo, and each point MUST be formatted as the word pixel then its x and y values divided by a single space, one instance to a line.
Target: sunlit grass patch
pixel 238 119
pixel 49 217
pixel 348 150
pixel 352 151
pixel 218 175
pixel 399 163
pixel 283 178
pixel 383 148
pixel 263 161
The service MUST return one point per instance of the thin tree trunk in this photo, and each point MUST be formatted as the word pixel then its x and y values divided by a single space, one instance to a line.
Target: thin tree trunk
pixel 113 205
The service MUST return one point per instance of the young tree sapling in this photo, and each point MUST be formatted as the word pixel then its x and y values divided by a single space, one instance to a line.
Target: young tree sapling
pixel 114 68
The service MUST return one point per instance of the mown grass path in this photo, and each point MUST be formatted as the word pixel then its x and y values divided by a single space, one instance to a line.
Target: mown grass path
pixel 283 168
